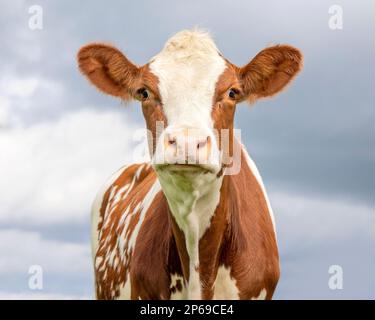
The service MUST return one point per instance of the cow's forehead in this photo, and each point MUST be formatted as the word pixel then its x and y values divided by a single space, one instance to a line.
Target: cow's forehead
pixel 187 69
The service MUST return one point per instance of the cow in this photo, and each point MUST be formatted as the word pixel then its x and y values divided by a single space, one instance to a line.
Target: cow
pixel 182 226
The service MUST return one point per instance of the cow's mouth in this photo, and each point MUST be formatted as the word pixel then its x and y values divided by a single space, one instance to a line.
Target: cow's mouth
pixel 181 168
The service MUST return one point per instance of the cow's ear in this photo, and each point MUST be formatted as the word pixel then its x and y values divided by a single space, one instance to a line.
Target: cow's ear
pixel 270 71
pixel 108 69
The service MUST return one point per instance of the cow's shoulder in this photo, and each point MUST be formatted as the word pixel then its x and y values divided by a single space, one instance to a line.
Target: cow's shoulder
pixel 250 256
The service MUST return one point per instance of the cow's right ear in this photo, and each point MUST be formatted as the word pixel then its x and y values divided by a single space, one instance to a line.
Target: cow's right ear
pixel 108 69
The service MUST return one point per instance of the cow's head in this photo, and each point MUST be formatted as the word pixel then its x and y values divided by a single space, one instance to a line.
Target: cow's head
pixel 189 93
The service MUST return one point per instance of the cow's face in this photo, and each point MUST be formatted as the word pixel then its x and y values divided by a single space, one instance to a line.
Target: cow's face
pixel 189 94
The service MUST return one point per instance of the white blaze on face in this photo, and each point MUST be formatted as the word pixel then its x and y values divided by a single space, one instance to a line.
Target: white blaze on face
pixel 188 68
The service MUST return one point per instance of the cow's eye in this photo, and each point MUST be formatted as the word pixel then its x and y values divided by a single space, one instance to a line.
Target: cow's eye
pixel 232 93
pixel 142 94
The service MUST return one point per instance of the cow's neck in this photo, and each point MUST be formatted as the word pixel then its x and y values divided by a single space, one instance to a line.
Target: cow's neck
pixel 193 199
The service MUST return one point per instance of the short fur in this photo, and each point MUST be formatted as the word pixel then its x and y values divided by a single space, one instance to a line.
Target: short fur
pixel 183 231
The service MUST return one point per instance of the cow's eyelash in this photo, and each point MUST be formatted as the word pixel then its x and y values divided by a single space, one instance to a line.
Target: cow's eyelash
pixel 235 88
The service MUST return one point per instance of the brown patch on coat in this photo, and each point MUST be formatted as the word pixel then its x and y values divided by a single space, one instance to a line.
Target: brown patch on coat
pixel 224 108
pixel 250 246
pixel 155 255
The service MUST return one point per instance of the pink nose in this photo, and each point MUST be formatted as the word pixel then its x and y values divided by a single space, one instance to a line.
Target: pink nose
pixel 183 147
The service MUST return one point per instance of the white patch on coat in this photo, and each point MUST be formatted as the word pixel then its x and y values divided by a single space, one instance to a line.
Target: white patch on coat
pixel 139 171
pixel 178 294
pixel 262 295
pixel 225 287
pixel 253 168
pixel 125 290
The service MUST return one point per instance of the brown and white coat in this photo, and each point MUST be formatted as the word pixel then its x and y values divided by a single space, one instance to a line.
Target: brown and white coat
pixel 185 226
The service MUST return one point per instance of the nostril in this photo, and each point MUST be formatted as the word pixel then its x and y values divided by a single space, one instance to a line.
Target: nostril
pixel 203 143
pixel 171 141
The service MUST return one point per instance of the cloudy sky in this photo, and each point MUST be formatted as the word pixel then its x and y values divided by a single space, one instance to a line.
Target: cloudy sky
pixel 314 144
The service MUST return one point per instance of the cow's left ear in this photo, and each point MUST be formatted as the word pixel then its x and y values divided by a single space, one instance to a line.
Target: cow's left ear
pixel 270 71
